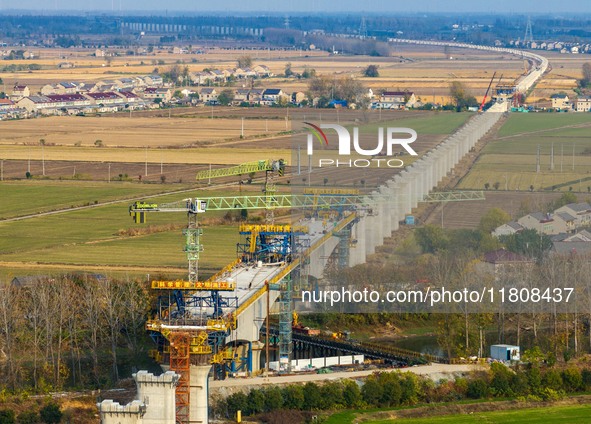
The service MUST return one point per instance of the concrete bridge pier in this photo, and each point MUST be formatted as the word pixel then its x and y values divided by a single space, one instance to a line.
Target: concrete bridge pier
pixel 386 210
pixel 199 393
pixel 370 223
pixel 357 251
pixel 256 351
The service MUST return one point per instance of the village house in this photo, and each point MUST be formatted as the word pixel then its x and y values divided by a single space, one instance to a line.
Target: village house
pixel 298 97
pixel 153 80
pixel 272 96
pixel 501 262
pixel 508 229
pixel 255 96
pixel 262 71
pixel 19 91
pixel 541 222
pixel 125 84
pixel 48 89
pixel 153 93
pixel 564 222
pixel 132 100
pixel 571 248
pixel 36 104
pixel 7 104
pixel 396 100
pixel 580 211
pixel 560 101
pixel 54 104
pixel 247 73
pixel 583 104
pixel 200 78
pixel 208 94
pixel 217 75
pixel 241 95
pixel 229 73
pixel 106 102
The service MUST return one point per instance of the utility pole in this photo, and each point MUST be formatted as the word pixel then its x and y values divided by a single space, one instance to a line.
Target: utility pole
pixel 43 158
pixel 109 180
pixel 561 155
pixel 146 167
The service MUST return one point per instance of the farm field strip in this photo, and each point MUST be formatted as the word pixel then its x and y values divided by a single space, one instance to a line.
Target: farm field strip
pixel 133 131
pixel 33 197
pixel 219 241
pixel 544 415
pixel 196 156
pixel 510 160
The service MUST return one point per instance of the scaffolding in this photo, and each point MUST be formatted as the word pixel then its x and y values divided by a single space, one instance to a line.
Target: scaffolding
pixel 285 325
pixel 180 362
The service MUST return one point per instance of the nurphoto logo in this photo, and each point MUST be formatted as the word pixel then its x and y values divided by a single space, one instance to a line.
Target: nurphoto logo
pixel 344 146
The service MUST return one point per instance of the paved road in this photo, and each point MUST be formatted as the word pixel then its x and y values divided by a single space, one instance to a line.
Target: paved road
pixel 433 370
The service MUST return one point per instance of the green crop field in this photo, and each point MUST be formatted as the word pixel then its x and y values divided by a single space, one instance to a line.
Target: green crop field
pixel 520 123
pixel 30 197
pixel 103 236
pixel 551 415
pixel 438 123
pixel 510 160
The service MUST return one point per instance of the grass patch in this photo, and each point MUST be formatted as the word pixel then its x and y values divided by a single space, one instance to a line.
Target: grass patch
pixel 547 415
pixel 519 123
pixel 159 250
pixel 438 123
pixel 511 160
pixel 100 237
pixel 30 197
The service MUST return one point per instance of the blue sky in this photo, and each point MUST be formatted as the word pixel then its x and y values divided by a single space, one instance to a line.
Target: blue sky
pixel 277 6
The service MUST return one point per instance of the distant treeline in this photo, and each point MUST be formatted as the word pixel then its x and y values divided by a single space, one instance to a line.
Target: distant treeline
pixel 473 28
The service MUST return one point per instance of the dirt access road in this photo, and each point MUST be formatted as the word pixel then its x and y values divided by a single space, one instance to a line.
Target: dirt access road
pixel 433 371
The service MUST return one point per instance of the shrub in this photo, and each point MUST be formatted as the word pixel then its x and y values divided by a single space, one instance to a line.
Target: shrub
pixel 372 392
pixel 501 379
pixel 28 417
pixel 273 399
pixel 51 414
pixel 572 380
pixel 6 416
pixel 586 377
pixel 351 394
pixel 477 389
pixel 293 397
pixel 552 380
pixel 237 402
pixel 549 394
pixel 312 397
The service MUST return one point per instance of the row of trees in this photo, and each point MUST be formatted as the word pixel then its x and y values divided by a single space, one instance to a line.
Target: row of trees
pixel 68 331
pixel 534 382
pixel 327 88
pixel 585 81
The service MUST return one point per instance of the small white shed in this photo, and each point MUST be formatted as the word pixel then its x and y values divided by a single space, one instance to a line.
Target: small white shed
pixel 504 352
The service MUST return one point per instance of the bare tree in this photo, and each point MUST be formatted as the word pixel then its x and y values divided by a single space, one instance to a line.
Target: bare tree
pixel 11 321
